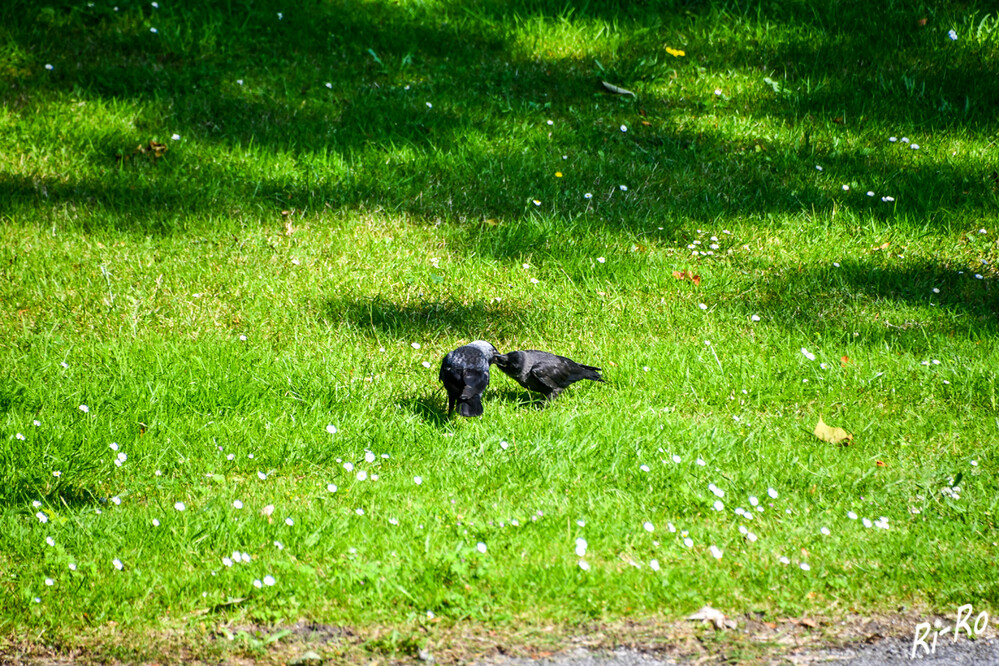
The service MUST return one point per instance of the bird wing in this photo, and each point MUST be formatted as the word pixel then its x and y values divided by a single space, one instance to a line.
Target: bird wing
pixel 475 382
pixel 550 373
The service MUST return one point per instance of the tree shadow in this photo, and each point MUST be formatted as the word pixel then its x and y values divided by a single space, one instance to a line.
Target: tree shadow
pixel 448 318
pixel 859 287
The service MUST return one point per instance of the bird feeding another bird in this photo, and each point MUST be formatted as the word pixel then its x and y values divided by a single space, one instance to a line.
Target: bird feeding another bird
pixel 465 374
pixel 544 372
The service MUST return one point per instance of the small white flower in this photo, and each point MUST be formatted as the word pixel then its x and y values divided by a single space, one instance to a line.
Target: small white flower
pixel 688 542
pixel 261 476
pixel 772 492
pixel 415 345
pixel 825 531
pixel 36 423
pixel 818 168
pixel 179 506
pixel 175 137
pixel 752 537
pixel 870 193
pixel 369 456
pixel 269 580
pixel 280 16
pixel 601 260
pixel 718 492
pixel 84 409
pixel 236 504
pixel 113 446
pixel 624 128
pixel 64 364
pixel 42 518
pixel 481 547
pixel 49 67
pixel 914 146
pixel 242 338
pixel 784 560
pixel 257 584
pixel 588 195
pixel 676 458
pixel 50 541
pixel 846 188
pixel 581 546
pixel 809 355
pixel 117 502
pixel 426 364
pixel 331 429
pixel 974 463
pixel 19 436
pixel 504 445
pixel 905 139
pixel 623 188
pixel 329 85
pixel 362 475
pixel 893 139
pixel 719 505
pixel 359 512
pixel 887 199
pixel 718 92
pixel 49 582
pixel 644 468
pixel 156 522
pixel 867 522
pixel 551 122
pixel 716 552
pixel 290 522
pixel 226 561
pixel 417 480
pixel 279 545
pixel 429 105
pixel 72 566
pixel 649 527
pixel 702 306
pixel 245 557
pixel 952 34
pixel 584 565
pixel 117 564
pixel 805 566
pixel 851 515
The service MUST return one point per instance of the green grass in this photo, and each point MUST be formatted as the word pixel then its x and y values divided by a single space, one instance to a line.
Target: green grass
pixel 355 179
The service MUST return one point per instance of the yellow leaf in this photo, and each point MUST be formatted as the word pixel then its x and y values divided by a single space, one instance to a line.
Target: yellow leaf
pixel 676 53
pixel 832 435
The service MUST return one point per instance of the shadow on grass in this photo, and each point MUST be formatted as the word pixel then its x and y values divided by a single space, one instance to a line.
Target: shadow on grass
pixel 345 87
pixel 428 408
pixel 852 294
pixel 448 318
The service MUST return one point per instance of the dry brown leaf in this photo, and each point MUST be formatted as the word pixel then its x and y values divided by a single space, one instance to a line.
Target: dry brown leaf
pixel 687 275
pixel 832 435
pixel 881 463
pixel 844 361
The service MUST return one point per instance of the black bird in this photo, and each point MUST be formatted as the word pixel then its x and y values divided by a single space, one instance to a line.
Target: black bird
pixel 544 372
pixel 465 374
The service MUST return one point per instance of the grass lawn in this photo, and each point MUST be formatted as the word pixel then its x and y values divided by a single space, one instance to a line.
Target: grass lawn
pixel 237 238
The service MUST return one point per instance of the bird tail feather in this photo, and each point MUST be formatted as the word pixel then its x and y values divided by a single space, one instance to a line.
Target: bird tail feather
pixel 471 407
